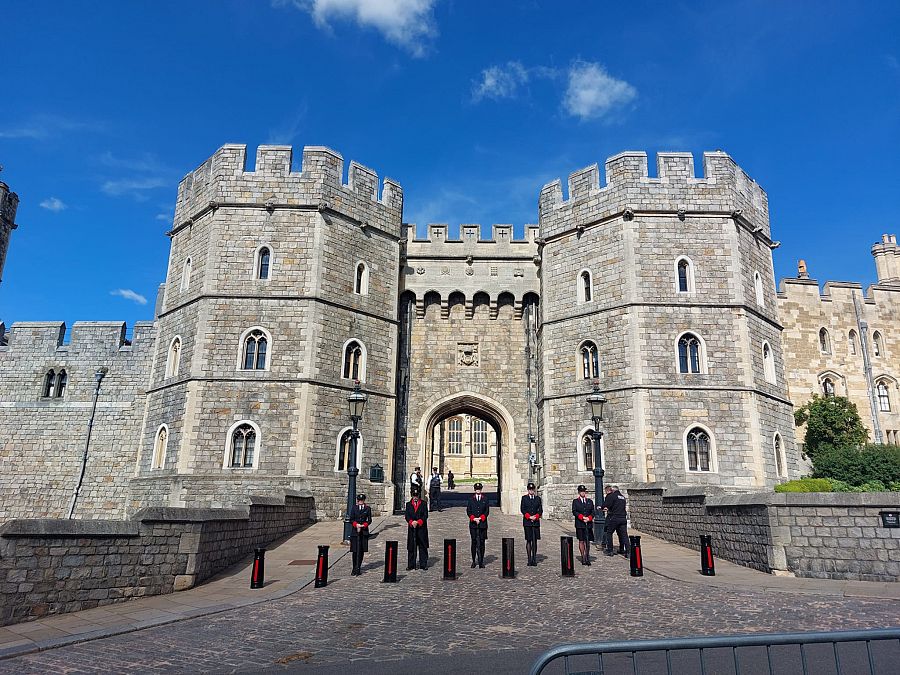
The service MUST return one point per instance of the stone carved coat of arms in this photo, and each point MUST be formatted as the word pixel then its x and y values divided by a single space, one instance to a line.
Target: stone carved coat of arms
pixel 468 354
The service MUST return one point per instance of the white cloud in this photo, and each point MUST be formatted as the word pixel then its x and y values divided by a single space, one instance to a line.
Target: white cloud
pixel 593 93
pixel 500 81
pixel 133 187
pixel 165 217
pixel 41 127
pixel 134 176
pixel 53 204
pixel 406 23
pixel 129 294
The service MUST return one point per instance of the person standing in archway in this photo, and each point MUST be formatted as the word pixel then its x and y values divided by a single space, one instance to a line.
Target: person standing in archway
pixel 360 519
pixel 583 510
pixel 434 491
pixel 477 509
pixel 416 531
pixel 532 509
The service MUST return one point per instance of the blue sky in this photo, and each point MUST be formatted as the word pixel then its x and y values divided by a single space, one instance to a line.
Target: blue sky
pixel 472 106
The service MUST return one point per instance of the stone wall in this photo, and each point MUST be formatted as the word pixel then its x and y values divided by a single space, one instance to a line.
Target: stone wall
pixel 58 566
pixel 9 203
pixel 819 535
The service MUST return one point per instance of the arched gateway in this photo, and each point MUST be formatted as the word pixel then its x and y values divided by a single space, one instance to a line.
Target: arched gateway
pixel 511 476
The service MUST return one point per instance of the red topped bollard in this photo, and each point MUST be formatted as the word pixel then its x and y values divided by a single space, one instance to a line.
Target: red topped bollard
pixel 707 564
pixel 509 558
pixel 566 556
pixel 450 559
pixel 258 571
pixel 390 562
pixel 637 561
pixel 322 568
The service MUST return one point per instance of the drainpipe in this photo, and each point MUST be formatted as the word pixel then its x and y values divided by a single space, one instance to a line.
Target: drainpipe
pixel 867 367
pixel 99 375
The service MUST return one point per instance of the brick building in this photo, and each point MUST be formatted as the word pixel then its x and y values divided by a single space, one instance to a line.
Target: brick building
pixel 284 287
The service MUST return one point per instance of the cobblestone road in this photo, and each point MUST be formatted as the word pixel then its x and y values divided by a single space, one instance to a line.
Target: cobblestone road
pixel 358 619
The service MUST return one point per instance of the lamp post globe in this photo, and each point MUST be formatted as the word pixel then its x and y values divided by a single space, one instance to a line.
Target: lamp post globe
pixel 357 402
pixel 597 401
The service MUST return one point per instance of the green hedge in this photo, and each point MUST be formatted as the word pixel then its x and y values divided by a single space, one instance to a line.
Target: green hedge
pixel 868 465
pixel 829 485
pixel 805 485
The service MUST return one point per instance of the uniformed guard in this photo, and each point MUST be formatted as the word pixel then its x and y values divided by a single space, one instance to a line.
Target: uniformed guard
pixel 416 531
pixel 532 509
pixel 477 509
pixel 616 520
pixel 583 510
pixel 360 519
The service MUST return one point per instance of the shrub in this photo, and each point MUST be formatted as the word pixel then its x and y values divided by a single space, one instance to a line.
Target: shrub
pixel 857 467
pixel 805 485
pixel 831 422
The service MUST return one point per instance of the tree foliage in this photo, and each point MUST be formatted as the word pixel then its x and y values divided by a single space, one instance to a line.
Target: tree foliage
pixel 831 422
pixel 872 464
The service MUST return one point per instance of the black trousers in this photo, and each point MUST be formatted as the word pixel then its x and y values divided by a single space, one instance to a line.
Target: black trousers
pixel 411 555
pixel 620 527
pixel 435 499
pixel 478 537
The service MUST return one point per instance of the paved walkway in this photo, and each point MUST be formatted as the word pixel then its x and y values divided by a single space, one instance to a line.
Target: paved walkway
pixel 288 613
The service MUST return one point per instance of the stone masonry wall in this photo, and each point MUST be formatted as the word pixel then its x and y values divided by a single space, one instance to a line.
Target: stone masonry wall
pixel 59 566
pixel 819 535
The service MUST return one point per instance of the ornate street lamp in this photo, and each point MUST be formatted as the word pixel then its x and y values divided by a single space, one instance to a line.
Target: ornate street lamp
pixel 357 400
pixel 597 401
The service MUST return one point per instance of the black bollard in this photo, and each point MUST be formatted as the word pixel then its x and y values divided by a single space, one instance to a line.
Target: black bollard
pixel 566 556
pixel 450 559
pixel 509 558
pixel 707 564
pixel 390 562
pixel 322 568
pixel 637 563
pixel 258 576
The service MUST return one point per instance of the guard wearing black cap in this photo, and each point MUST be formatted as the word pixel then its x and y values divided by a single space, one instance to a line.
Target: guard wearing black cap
pixel 360 519
pixel 477 509
pixel 583 510
pixel 416 531
pixel 532 509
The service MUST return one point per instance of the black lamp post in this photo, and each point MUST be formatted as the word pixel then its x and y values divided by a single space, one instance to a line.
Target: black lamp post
pixel 357 400
pixel 597 401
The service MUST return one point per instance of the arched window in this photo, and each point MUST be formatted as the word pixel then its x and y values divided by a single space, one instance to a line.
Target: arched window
pixel 479 436
pixel 780 465
pixel 698 446
pixel 828 387
pixel 361 283
pixel 159 447
pixel 590 361
pixel 585 450
pixel 884 399
pixel 455 436
pixel 49 383
pixel 354 361
pixel 61 381
pixel 685 275
pixel 174 358
pixel 585 286
pixel 242 446
pixel 186 274
pixel 877 344
pixel 851 337
pixel 263 261
pixel 256 346
pixel 768 363
pixel 824 341
pixel 758 286
pixel 342 459
pixel 690 354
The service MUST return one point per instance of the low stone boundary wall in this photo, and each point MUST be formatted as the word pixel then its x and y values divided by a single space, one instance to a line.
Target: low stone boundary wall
pixel 824 535
pixel 56 566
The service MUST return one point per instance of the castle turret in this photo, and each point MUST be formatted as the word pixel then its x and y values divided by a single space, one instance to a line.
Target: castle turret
pixel 887 259
pixel 9 202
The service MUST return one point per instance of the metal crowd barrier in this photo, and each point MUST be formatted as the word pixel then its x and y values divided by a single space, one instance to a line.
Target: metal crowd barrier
pixel 772 653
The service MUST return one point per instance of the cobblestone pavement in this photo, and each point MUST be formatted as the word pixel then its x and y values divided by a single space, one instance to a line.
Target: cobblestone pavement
pixel 355 620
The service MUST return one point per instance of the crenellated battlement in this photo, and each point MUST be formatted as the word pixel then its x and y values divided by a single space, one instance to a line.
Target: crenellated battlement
pixel 224 180
pixel 723 187
pixel 33 338
pixel 469 242
pixel 9 204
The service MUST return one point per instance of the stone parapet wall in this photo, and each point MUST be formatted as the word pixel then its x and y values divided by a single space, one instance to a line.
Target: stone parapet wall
pixel 57 566
pixel 818 535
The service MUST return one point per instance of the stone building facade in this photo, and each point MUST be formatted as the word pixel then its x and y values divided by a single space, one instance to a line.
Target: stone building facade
pixel 9 203
pixel 842 341
pixel 285 287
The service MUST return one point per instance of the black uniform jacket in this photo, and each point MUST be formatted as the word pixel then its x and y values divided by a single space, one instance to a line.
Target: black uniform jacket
pixel 615 506
pixel 417 512
pixel 531 506
pixel 360 515
pixel 584 513
pixel 477 510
